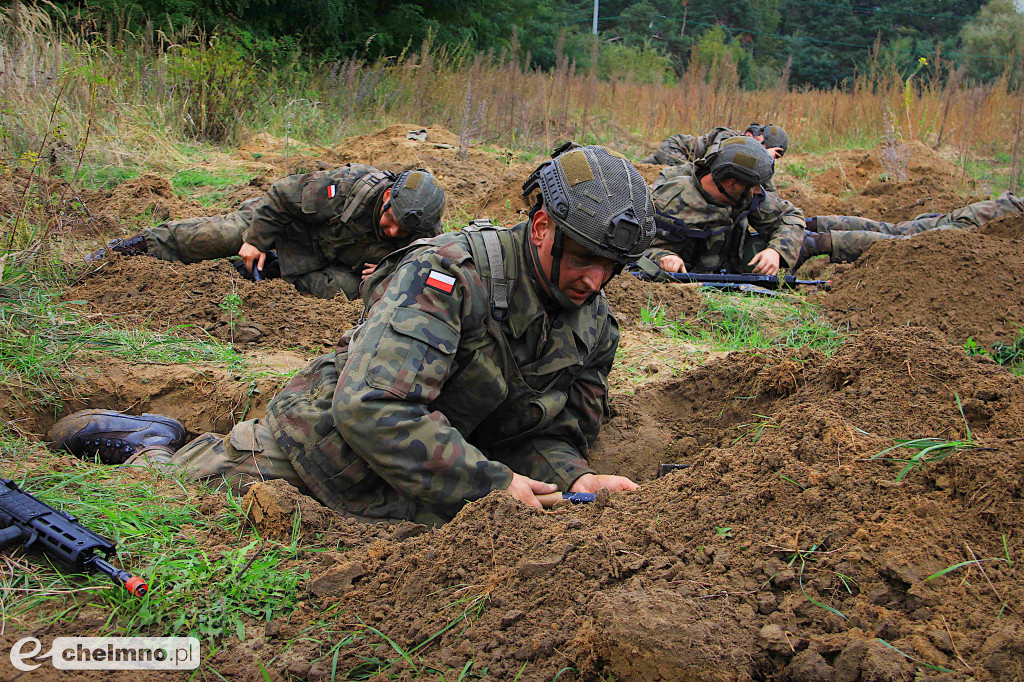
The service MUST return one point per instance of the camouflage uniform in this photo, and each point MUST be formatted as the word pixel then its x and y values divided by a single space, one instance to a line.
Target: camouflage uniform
pixel 432 401
pixel 851 235
pixel 710 236
pixel 680 149
pixel 322 244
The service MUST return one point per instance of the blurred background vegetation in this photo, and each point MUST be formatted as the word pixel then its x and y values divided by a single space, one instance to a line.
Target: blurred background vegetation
pixel 818 43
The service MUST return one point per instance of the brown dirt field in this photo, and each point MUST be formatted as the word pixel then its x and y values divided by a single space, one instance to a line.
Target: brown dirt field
pixel 783 552
pixel 960 283
pixel 162 296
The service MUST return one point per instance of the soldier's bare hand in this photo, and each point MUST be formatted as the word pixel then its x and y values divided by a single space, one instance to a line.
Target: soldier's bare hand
pixel 368 269
pixel 525 489
pixel 766 262
pixel 672 264
pixel 776 152
pixel 250 254
pixel 591 483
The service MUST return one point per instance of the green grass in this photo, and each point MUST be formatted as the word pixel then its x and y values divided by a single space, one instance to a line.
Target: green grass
pixel 185 181
pixel 102 177
pixel 927 450
pixel 738 322
pixel 157 527
pixel 1009 355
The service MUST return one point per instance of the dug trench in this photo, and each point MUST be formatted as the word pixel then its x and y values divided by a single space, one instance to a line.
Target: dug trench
pixel 787 549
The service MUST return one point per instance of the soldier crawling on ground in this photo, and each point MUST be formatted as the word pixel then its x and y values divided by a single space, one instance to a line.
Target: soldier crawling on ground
pixel 328 228
pixel 714 216
pixel 680 149
pixel 481 365
pixel 844 238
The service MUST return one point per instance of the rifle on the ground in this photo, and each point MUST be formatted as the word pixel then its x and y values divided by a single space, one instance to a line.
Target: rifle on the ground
pixel 647 269
pixel 27 521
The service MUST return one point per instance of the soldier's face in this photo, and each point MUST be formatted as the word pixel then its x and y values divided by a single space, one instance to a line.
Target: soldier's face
pixel 390 228
pixel 738 192
pixel 581 273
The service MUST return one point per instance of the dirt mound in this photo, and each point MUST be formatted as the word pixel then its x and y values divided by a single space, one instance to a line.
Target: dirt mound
pixel 629 295
pixel 162 296
pixel 783 551
pixel 1007 227
pixel 963 284
pixel 202 398
pixel 850 182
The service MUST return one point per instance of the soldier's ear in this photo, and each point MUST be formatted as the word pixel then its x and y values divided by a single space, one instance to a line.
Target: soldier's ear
pixel 387 195
pixel 541 225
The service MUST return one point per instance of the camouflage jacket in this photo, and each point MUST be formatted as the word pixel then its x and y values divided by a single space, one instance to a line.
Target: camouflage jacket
pixel 301 217
pixel 416 408
pixel 680 149
pixel 710 236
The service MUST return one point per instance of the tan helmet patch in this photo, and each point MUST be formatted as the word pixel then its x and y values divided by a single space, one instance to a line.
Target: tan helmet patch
pixel 413 181
pixel 576 167
pixel 745 160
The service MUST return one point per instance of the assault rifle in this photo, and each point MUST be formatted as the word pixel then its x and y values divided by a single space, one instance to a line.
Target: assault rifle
pixel 646 269
pixel 26 521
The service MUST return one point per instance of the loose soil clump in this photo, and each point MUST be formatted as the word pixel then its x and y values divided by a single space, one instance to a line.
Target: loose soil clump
pixel 191 300
pixel 961 283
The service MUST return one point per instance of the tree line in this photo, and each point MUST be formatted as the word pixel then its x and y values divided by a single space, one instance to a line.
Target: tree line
pixel 820 43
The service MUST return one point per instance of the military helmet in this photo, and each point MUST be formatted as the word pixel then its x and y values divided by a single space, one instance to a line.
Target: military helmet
pixel 597 198
pixel 417 201
pixel 774 136
pixel 741 158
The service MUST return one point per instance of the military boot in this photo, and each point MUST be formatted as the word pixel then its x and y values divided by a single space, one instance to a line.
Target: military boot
pixel 129 246
pixel 811 224
pixel 815 244
pixel 114 436
pixel 1016 201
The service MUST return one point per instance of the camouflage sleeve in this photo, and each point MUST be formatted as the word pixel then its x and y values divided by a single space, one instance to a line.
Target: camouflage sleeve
pixel 397 366
pixel 674 151
pixel 281 207
pixel 659 249
pixel 785 223
pixel 558 453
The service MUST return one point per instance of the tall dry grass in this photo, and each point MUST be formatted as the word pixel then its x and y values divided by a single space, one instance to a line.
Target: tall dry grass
pixel 116 98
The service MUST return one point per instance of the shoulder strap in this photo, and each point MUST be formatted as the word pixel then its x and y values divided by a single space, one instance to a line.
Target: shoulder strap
pixel 482 233
pixel 363 191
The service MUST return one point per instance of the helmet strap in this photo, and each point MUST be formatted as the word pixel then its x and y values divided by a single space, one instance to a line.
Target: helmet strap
pixel 733 200
pixel 556 263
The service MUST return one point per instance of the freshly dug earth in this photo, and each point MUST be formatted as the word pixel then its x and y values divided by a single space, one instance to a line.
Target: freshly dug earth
pixel 961 283
pixel 203 398
pixel 783 551
pixel 628 296
pixel 143 291
pixel 850 182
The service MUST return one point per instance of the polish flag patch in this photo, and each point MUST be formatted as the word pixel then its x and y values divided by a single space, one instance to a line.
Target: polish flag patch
pixel 440 281
pixel 331 191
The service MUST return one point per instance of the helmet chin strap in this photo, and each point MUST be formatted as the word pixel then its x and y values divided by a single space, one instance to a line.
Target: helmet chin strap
pixel 733 201
pixel 556 261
